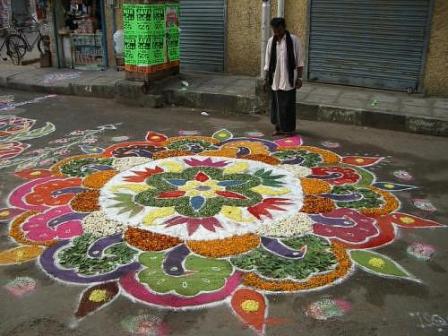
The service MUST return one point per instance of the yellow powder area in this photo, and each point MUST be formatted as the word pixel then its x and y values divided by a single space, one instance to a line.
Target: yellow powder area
pixel 376 262
pixel 250 306
pixel 4 213
pixel 36 173
pixel 21 254
pixel 98 295
pixel 407 220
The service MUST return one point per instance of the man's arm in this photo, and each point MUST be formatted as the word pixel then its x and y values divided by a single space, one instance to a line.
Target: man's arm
pixel 267 63
pixel 267 59
pixel 299 52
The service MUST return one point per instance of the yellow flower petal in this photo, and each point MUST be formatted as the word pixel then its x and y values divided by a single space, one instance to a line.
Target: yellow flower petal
pixel 172 167
pixel 156 214
pixel 135 187
pixel 271 191
pixel 21 254
pixel 239 167
pixel 235 214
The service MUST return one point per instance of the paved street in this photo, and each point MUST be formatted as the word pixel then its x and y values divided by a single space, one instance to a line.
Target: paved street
pixel 390 241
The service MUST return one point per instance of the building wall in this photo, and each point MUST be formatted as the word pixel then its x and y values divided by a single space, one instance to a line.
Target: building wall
pixel 243 38
pixel 243 31
pixel 436 72
pixel 108 11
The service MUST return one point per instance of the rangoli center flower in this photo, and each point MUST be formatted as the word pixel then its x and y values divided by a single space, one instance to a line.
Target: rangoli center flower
pixel 198 198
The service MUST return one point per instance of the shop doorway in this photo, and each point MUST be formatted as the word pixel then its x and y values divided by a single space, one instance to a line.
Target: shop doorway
pixel 82 33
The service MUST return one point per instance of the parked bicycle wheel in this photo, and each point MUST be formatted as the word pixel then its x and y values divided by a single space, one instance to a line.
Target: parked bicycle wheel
pixel 16 48
pixel 40 44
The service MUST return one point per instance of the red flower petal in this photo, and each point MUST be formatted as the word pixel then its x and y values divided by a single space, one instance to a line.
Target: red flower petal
pixel 255 319
pixel 141 176
pixel 155 138
pixel 408 221
pixel 229 194
pixel 171 194
pixel 209 223
pixel 262 209
pixel 201 177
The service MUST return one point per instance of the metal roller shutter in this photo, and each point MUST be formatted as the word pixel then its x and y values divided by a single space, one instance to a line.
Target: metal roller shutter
pixel 377 44
pixel 202 35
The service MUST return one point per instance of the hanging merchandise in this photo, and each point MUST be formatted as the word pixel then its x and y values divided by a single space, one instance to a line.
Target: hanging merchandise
pixel 151 37
pixel 119 42
pixel 5 12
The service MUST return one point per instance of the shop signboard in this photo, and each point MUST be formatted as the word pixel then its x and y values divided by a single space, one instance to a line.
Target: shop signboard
pixel 151 34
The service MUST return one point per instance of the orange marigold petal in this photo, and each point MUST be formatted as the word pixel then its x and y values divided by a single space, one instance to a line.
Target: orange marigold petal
pixel 149 241
pixel 263 158
pixel 312 186
pixel 224 247
pixel 315 204
pixel 223 152
pixel 97 180
pixel 86 201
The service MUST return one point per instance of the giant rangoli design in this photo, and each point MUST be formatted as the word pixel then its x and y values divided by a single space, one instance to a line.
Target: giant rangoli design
pixel 192 221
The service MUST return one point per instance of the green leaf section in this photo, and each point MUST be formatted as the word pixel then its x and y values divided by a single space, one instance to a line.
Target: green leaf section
pixel 268 179
pixel 367 177
pixel 126 203
pixel 379 264
pixel 196 146
pixel 318 258
pixel 307 159
pixel 202 274
pixel 80 167
pixel 370 199
pixel 75 257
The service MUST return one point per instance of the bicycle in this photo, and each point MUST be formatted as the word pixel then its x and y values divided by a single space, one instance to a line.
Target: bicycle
pixel 4 33
pixel 17 45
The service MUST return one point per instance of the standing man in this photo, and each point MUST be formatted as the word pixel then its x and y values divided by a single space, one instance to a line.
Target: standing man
pixel 284 68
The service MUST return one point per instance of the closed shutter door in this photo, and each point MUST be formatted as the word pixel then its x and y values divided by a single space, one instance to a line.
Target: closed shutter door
pixel 377 44
pixel 202 35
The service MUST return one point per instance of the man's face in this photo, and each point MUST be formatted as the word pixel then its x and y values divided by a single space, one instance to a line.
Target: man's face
pixel 278 31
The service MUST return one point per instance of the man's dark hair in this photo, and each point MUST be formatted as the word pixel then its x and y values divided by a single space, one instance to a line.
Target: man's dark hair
pixel 278 22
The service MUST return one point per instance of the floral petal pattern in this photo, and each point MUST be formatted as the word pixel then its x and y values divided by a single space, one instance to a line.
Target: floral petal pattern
pixel 190 221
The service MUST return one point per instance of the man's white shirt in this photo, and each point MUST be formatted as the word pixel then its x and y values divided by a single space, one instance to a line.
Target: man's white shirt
pixel 281 74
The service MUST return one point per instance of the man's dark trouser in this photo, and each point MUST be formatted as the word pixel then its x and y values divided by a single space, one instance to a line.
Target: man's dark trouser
pixel 283 110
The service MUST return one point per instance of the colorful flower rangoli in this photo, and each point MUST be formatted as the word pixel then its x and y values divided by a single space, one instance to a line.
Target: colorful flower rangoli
pixel 191 221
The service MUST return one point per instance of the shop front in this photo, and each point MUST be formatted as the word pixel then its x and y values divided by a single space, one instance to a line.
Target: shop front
pixel 22 12
pixel 79 27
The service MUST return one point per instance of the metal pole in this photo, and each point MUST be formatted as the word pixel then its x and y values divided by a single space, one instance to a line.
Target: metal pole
pixel 281 8
pixel 265 18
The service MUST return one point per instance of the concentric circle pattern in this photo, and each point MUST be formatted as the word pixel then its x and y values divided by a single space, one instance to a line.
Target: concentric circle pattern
pixel 191 221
